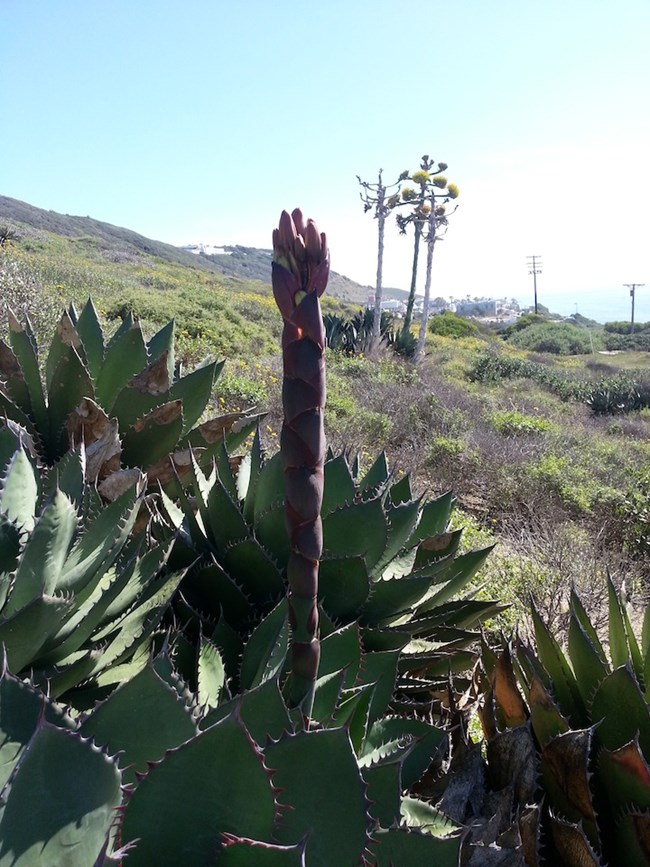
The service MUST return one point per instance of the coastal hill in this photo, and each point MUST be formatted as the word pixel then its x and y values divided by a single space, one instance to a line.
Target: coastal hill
pixel 118 244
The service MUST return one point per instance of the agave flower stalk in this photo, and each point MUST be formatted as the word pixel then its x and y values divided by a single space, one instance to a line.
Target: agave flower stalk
pixel 300 272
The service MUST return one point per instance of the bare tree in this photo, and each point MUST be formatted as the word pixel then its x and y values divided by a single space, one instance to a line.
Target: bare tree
pixel 375 197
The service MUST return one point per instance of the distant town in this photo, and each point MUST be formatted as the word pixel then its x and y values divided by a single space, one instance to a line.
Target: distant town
pixel 498 310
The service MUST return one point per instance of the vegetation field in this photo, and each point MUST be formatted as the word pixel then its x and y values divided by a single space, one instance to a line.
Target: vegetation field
pixel 561 488
pixel 200 616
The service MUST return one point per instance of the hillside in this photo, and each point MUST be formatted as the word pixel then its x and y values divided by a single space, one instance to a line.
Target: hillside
pixel 119 244
pixel 561 484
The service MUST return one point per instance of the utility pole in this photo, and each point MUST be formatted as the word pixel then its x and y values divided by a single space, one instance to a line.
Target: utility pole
pixel 535 268
pixel 632 288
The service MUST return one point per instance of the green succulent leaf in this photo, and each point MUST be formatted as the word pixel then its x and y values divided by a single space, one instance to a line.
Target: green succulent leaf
pixel 15 416
pixel 336 820
pixel 21 708
pixel 376 477
pixel 402 520
pixel 242 852
pixel 175 827
pixel 399 847
pixel 125 355
pixel 19 492
pixel 99 546
pixel 262 710
pixel 379 670
pixel 43 558
pixel 353 714
pixel 564 683
pixel 67 475
pixel 327 693
pixel 357 530
pixel 265 652
pixel 384 787
pixel 251 467
pixel 390 599
pixel 136 627
pixel 144 392
pixel 616 728
pixel 162 343
pixel 69 383
pixel 215 590
pixel 343 586
pixel 434 519
pixel 211 674
pixel 420 814
pixel 141 720
pixel 617 635
pixel 339 487
pixel 23 344
pixel 401 492
pixel 588 663
pixel 25 633
pixel 454 577
pixel 341 651
pixel 90 331
pixel 154 436
pixel 78 791
pixel 545 716
pixel 428 742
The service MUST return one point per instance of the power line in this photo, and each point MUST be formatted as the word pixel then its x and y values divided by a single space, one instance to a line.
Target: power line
pixel 534 268
pixel 632 288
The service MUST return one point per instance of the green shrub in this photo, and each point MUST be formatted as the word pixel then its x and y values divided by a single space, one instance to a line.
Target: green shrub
pixel 625 327
pixel 448 324
pixel 512 423
pixel 522 323
pixel 442 447
pixel 637 342
pixel 558 338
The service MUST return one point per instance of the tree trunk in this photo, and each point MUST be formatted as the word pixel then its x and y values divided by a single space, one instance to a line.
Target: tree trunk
pixel 431 242
pixel 408 316
pixel 381 217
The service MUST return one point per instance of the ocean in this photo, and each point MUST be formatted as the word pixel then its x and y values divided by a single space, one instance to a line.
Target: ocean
pixel 603 305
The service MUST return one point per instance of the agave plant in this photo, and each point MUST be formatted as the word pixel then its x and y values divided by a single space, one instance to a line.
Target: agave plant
pixel 389 567
pixel 354 335
pixel 210 781
pixel 122 398
pixel 79 597
pixel 571 731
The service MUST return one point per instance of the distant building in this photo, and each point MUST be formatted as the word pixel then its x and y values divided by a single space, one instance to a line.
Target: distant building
pixel 390 305
pixel 206 249
pixel 485 307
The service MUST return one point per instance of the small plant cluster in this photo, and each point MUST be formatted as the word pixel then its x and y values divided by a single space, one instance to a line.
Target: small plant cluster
pixel 620 393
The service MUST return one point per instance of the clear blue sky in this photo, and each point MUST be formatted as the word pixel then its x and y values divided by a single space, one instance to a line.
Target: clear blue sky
pixel 201 120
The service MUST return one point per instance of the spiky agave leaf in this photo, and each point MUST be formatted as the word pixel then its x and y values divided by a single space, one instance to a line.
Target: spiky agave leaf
pixel 122 398
pixel 593 777
pixel 77 598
